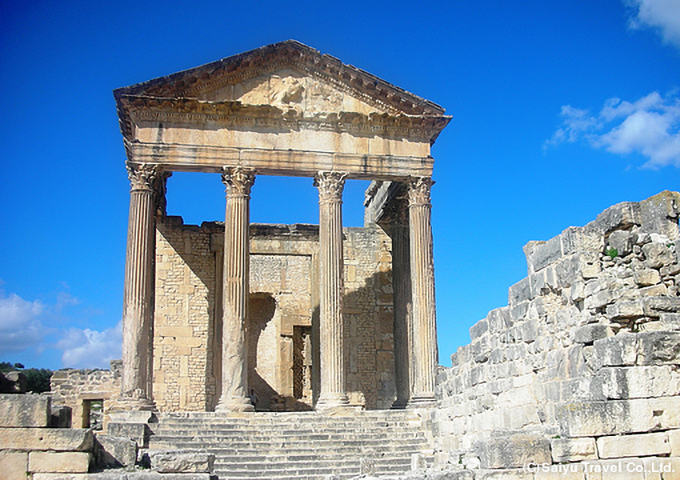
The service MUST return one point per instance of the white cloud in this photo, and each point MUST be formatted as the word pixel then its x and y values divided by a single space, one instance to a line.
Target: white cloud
pixel 20 327
pixel 663 15
pixel 65 299
pixel 649 127
pixel 90 348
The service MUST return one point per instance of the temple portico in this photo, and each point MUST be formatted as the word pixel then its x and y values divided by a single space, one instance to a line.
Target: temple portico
pixel 285 110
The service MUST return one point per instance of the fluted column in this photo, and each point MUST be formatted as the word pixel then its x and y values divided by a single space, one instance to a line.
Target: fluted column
pixel 238 181
pixel 331 288
pixel 401 282
pixel 424 342
pixel 138 291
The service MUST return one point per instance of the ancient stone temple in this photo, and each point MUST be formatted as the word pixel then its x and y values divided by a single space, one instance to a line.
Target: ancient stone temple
pixel 305 316
pixel 577 377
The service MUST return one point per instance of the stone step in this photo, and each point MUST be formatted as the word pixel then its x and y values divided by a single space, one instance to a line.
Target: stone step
pixel 324 462
pixel 291 437
pixel 288 434
pixel 288 431
pixel 296 445
pixel 315 472
pixel 292 450
pixel 286 426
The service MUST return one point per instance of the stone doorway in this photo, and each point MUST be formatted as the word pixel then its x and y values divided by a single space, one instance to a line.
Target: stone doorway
pixel 302 364
pixel 262 333
pixel 279 365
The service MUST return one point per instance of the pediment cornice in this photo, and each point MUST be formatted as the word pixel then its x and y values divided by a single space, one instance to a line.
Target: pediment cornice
pixel 360 84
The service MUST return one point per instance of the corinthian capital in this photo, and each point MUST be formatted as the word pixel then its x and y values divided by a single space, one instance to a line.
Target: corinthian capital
pixel 419 190
pixel 238 180
pixel 396 211
pixel 330 185
pixel 142 176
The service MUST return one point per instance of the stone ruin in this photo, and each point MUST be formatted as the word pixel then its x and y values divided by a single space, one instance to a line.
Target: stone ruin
pixel 579 372
pixel 576 378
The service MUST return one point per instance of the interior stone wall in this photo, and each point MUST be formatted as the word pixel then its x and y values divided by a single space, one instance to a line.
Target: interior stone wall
pixel 184 316
pixel 582 368
pixel 283 297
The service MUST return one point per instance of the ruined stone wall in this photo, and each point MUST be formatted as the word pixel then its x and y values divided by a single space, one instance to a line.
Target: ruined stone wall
pixel 582 366
pixel 183 378
pixel 283 304
pixel 369 340
pixel 74 388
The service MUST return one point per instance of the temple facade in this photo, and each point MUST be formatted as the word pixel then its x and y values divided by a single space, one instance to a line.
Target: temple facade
pixel 306 317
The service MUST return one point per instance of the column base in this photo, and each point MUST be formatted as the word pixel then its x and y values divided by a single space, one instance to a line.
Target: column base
pixel 132 404
pixel 332 400
pixel 422 400
pixel 240 404
pixel 399 404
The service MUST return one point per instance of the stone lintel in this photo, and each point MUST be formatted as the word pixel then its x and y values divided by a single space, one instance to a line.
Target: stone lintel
pixel 299 163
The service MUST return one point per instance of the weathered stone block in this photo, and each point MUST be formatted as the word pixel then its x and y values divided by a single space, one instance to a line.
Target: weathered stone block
pixel 114 452
pixel 573 449
pixel 639 382
pixel 622 310
pixel 674 439
pixel 13 382
pixel 446 475
pixel 567 271
pixel 513 451
pixel 24 410
pixel 541 254
pixel 614 417
pixel 601 299
pixel 543 282
pixel 479 329
pixel 519 292
pixel 647 277
pixel 633 445
pixel 621 216
pixel 59 462
pixel 60 416
pixel 139 432
pixel 656 348
pixel 657 255
pixel 655 306
pixel 618 350
pixel 517 474
pixel 181 461
pixel 14 465
pixel 660 213
pixel 526 331
pixel 623 241
pixel 574 471
pixel 57 439
pixel 140 475
pixel 587 334
pixel 499 320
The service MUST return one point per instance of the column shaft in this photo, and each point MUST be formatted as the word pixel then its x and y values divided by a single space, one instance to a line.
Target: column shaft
pixel 424 342
pixel 401 282
pixel 331 328
pixel 138 291
pixel 235 290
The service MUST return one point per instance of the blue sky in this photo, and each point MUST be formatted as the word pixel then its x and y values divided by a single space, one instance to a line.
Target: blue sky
pixel 560 109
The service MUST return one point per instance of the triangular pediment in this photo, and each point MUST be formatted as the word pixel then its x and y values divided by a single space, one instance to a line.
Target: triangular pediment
pixel 288 89
pixel 287 75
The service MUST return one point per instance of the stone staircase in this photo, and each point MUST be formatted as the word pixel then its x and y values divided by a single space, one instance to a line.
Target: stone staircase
pixel 300 445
